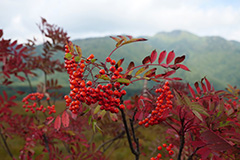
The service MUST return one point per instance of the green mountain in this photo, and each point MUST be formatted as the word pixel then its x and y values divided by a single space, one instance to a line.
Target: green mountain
pixel 212 56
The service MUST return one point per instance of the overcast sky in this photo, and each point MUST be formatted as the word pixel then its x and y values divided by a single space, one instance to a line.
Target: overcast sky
pixel 93 18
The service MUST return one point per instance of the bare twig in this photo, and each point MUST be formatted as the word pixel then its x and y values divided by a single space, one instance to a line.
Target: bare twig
pixel 6 145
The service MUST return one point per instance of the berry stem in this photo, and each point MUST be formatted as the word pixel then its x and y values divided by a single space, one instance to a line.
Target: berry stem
pixel 182 138
pixel 136 153
pixel 6 145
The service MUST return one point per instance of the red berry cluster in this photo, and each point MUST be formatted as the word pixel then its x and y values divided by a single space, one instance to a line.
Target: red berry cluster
pixel 34 97
pixel 163 104
pixel 232 103
pixel 168 148
pixel 91 92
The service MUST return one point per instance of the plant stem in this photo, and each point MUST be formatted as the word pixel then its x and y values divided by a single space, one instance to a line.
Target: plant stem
pixel 182 139
pixel 29 82
pixel 6 145
pixel 136 153
pixel 191 156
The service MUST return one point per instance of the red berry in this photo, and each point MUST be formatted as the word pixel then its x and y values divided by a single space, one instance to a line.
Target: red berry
pixel 113 62
pixel 123 92
pixel 91 56
pixel 159 155
pixel 108 59
pixel 120 69
pixel 159 148
pixel 171 152
pixel 102 71
pixel 164 145
pixel 89 83
pixel 82 65
pixel 112 69
pixel 122 106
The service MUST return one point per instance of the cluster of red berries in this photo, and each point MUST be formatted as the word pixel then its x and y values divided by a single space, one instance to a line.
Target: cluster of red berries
pixel 34 97
pixel 232 103
pixel 91 92
pixel 167 147
pixel 163 104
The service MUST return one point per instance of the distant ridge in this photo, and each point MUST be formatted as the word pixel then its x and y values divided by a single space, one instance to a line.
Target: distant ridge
pixel 211 56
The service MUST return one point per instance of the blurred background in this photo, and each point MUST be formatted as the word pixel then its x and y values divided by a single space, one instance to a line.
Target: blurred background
pixel 206 31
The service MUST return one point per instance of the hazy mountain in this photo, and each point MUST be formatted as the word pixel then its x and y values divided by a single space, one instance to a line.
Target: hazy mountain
pixel 210 56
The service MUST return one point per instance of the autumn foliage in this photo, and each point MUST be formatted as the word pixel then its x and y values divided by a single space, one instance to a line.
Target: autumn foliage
pixel 190 121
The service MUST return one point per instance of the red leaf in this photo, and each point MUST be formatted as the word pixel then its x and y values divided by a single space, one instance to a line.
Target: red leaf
pixel 208 84
pixel 22 50
pixel 13 43
pixel 197 87
pixel 12 98
pixel 49 120
pixel 130 37
pixel 20 92
pixel 119 63
pixel 1 99
pixel 57 123
pixel 183 67
pixel 177 78
pixel 5 95
pixel 169 73
pixel 19 46
pixel 131 65
pixel 170 57
pixel 191 91
pixel 204 152
pixel 215 142
pixel 162 56
pixel 153 56
pixel 179 59
pixel 159 75
pixel 20 78
pixel 1 33
pixel 146 60
pixel 65 119
pixel 203 86
pixel 164 65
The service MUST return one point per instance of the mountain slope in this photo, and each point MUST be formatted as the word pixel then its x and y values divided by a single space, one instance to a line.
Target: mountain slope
pixel 212 56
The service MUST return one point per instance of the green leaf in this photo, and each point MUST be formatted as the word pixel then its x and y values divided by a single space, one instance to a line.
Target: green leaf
pixel 147 78
pixel 114 117
pixel 86 111
pixel 150 73
pixel 119 43
pixel 77 58
pixel 97 109
pixel 103 77
pixel 197 107
pixel 180 100
pixel 94 125
pixel 70 46
pixel 79 51
pixel 102 113
pixel 68 56
pixel 98 128
pixel 89 119
pixel 198 115
pixel 93 60
pixel 141 70
pixel 123 80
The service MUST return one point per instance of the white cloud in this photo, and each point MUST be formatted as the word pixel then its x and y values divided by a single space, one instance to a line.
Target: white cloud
pixel 85 18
